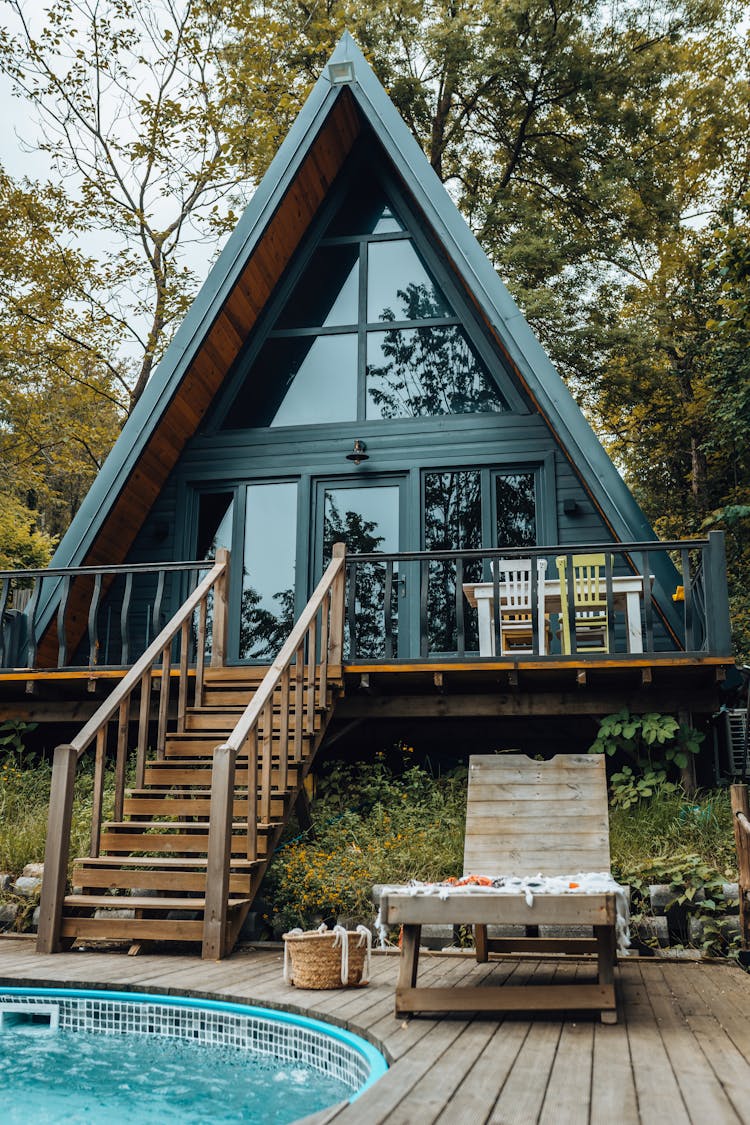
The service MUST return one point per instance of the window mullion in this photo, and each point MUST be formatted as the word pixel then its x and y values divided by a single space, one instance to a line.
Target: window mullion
pixel 362 335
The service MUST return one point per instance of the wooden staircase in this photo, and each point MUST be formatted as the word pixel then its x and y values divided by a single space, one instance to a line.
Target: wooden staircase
pixel 151 883
pixel 187 847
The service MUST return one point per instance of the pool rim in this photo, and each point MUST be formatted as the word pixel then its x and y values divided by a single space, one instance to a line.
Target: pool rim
pixel 375 1058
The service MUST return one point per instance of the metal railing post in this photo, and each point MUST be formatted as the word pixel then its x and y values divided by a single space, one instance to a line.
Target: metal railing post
pixel 718 624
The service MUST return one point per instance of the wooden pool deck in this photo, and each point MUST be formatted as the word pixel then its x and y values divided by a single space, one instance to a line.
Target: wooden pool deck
pixel 680 1053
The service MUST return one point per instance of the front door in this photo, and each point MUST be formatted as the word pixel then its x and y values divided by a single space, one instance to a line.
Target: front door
pixel 367 514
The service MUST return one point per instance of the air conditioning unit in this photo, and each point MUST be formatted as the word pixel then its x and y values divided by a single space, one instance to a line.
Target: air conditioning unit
pixel 737 733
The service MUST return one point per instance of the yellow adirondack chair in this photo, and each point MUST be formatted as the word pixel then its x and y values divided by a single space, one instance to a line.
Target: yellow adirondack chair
pixel 589 594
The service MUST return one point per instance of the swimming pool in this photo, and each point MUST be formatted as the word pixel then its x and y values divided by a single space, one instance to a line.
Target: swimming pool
pixel 74 1054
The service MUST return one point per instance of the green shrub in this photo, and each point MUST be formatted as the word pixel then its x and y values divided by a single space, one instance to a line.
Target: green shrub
pixel 370 827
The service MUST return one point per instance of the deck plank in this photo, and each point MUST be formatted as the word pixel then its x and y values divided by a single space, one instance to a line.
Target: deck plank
pixel 681 1051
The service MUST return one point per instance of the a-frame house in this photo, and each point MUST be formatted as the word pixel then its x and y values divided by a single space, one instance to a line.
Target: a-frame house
pixel 352 372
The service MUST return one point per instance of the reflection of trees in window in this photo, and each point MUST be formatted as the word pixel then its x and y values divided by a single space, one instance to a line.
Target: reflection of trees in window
pixel 263 631
pixel 453 521
pixel 515 510
pixel 360 537
pixel 423 372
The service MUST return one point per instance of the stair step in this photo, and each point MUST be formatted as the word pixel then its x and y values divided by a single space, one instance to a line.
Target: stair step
pixel 179 771
pixel 176 825
pixel 154 879
pixel 145 902
pixel 184 842
pixel 156 803
pixel 172 863
pixel 132 929
pixel 221 720
pixel 204 742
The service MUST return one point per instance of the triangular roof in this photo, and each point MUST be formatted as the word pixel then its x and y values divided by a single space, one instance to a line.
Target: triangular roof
pixel 244 276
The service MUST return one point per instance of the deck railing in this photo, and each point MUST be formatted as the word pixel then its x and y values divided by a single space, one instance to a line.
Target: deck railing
pixel 122 607
pixel 153 666
pixel 422 604
pixel 311 653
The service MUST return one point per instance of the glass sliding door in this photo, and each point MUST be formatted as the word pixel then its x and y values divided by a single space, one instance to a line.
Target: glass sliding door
pixel 367 518
pixel 470 509
pixel 269 549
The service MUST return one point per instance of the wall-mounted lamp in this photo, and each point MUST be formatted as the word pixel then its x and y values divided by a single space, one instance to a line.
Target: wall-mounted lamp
pixel 340 73
pixel 358 454
pixel 570 506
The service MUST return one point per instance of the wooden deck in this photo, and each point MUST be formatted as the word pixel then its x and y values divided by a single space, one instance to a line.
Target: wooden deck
pixel 680 1053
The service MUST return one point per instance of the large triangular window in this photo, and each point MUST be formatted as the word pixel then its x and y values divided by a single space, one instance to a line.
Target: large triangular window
pixel 364 332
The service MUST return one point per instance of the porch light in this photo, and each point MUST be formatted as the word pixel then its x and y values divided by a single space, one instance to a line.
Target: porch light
pixel 340 73
pixel 358 454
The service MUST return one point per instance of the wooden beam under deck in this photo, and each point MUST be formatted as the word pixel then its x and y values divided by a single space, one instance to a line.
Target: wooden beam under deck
pixel 424 689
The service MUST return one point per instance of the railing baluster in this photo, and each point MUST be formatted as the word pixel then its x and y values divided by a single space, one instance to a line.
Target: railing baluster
pixel 284 728
pixel 266 740
pixel 569 608
pixel 143 721
pixel 125 619
pixel 687 583
pixel 312 637
pixel 610 597
pixel 93 621
pixel 299 684
pixel 648 605
pixel 252 793
pixel 4 598
pixel 98 793
pixel 351 611
pixel 31 608
pixel 323 668
pixel 122 757
pixel 388 607
pixel 496 630
pixel 161 734
pixel 182 691
pixel 424 590
pixel 158 599
pixel 200 650
pixel 460 629
pixel 57 849
pixel 62 640
pixel 536 624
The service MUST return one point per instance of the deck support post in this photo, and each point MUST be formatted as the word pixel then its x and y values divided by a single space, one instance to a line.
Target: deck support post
pixel 216 912
pixel 57 850
pixel 221 612
pixel 740 814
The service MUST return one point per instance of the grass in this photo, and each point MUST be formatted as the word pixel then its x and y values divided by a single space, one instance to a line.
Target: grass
pixel 373 825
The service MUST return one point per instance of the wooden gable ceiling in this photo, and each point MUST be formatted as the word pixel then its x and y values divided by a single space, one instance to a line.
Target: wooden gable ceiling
pixel 215 356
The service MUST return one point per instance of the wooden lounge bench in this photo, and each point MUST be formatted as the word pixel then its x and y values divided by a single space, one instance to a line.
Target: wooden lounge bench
pixel 523 818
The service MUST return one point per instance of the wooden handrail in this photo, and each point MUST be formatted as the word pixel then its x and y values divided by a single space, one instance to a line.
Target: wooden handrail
pixel 255 728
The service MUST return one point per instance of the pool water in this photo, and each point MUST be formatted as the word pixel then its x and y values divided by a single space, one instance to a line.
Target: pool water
pixel 50 1077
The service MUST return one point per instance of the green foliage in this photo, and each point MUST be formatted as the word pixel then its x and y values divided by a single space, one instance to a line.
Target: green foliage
pixel 370 827
pixel 652 742
pixel 628 788
pixel 24 806
pixel 13 750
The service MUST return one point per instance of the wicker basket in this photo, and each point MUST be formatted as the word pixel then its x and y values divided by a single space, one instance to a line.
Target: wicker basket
pixel 318 956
